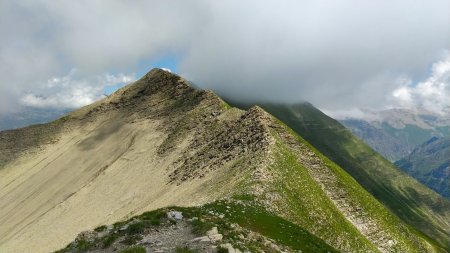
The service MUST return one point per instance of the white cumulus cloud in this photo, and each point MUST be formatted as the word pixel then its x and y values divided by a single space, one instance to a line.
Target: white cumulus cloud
pixel 432 94
pixel 72 91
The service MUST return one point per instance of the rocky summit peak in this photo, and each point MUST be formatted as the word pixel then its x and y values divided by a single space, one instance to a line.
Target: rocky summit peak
pixel 157 93
pixel 159 73
pixel 159 80
pixel 157 84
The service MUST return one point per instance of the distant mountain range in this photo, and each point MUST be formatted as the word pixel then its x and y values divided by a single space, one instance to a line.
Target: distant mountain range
pixel 392 146
pixel 396 133
pixel 418 142
pixel 430 164
pixel 30 116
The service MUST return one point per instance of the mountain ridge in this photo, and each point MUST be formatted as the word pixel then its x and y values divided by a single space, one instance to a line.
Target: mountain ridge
pixel 387 145
pixel 395 133
pixel 398 191
pixel 159 142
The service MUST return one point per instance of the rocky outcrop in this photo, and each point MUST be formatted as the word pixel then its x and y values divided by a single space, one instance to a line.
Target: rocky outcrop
pixel 169 231
pixel 232 139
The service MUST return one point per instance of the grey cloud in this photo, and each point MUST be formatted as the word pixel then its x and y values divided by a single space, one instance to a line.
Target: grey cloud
pixel 335 54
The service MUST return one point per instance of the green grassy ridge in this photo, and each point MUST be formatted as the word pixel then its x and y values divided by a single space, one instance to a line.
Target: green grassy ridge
pixel 404 196
pixel 337 224
pixel 306 203
pixel 242 211
pixel 403 234
pixel 258 219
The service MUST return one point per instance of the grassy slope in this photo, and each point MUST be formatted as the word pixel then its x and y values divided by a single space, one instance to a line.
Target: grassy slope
pixel 258 219
pixel 243 212
pixel 306 203
pixel 304 193
pixel 410 200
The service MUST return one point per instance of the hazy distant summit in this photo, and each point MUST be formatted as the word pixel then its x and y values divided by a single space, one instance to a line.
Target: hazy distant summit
pixel 395 133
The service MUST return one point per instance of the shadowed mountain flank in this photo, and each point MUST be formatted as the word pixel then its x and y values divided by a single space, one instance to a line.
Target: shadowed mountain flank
pixel 430 164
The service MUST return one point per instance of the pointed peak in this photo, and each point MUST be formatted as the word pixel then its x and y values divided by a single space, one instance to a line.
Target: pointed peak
pixel 158 72
pixel 157 80
pixel 160 84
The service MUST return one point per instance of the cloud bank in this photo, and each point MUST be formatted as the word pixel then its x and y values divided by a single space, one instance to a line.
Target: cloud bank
pixel 71 91
pixel 338 55
pixel 433 94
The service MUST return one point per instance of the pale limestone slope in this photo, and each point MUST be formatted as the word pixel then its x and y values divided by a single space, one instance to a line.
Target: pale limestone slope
pixel 98 172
